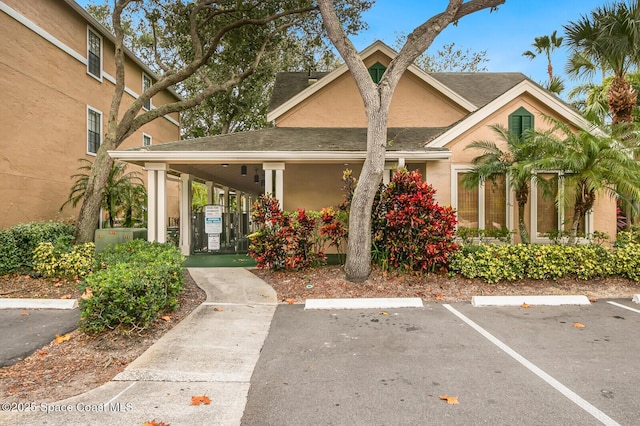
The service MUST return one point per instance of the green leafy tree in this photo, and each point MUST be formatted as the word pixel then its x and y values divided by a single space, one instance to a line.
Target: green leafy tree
pixel 193 40
pixel 607 39
pixel 511 158
pixel 546 44
pixel 376 98
pixel 592 163
pixel 124 193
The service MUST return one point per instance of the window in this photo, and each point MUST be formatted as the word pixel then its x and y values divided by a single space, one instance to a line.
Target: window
pixel 377 70
pixel 520 121
pixel 94 54
pixel 146 83
pixel 94 130
pixel 482 207
pixel 547 218
pixel 146 140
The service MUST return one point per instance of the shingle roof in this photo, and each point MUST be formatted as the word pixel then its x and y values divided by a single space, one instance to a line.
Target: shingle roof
pixel 289 84
pixel 303 139
pixel 477 88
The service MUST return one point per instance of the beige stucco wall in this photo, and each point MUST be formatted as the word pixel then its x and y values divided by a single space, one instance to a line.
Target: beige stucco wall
pixel 414 104
pixel 439 172
pixel 43 113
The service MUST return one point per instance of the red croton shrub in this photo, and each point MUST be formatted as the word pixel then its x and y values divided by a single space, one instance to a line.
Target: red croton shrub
pixel 410 230
pixel 292 240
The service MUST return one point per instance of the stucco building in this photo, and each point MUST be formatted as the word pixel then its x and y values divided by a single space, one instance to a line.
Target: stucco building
pixel 57 80
pixel 320 130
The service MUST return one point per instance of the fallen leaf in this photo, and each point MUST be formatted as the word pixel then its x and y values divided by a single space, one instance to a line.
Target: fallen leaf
pixel 60 339
pixel 578 325
pixel 154 423
pixel 593 300
pixel 525 306
pixel 58 284
pixel 27 277
pixel 439 296
pixel 202 399
pixel 65 296
pixel 451 400
pixel 289 301
pixel 87 293
pixel 42 352
pixel 25 314
pixel 217 309
pixel 167 318
pixel 384 313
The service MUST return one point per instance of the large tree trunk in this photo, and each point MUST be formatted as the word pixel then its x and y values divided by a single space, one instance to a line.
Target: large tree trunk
pixel 358 263
pixel 89 215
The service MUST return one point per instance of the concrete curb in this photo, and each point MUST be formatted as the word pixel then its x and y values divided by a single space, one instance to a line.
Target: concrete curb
pixel 366 303
pixel 479 301
pixel 38 303
pixel 636 298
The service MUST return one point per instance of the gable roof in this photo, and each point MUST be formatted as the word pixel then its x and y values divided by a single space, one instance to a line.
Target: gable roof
pixel 479 88
pixel 526 86
pixel 286 87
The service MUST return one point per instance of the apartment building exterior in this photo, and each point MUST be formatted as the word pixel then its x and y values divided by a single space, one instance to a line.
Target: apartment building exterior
pixel 57 77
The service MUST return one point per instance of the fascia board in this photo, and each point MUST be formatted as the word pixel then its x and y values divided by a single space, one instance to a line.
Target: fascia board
pixel 525 86
pixel 261 156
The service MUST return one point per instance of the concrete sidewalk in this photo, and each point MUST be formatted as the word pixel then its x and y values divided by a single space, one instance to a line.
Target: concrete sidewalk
pixel 210 353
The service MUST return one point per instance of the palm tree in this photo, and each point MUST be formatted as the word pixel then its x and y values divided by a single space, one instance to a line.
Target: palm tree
pixel 547 44
pixel 123 191
pixel 592 163
pixel 514 162
pixel 608 39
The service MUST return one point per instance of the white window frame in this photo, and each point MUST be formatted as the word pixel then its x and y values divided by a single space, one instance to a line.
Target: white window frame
pixel 95 33
pixel 461 169
pixel 144 135
pixel 97 111
pixel 147 76
pixel 535 237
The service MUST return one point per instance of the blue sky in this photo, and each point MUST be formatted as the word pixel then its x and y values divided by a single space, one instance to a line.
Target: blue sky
pixel 504 33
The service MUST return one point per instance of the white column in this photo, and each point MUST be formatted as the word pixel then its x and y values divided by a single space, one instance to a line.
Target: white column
pixel 269 168
pixel 161 232
pixel 209 186
pixel 157 202
pixel 227 213
pixel 151 204
pixel 186 196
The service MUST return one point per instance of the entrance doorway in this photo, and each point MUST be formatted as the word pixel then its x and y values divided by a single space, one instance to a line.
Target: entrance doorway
pixel 234 226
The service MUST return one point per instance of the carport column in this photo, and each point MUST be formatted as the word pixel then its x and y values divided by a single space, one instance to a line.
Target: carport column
pixel 227 212
pixel 157 202
pixel 278 191
pixel 186 196
pixel 209 186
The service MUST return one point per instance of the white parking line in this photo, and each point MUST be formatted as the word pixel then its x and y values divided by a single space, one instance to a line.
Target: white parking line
pixel 579 401
pixel 623 306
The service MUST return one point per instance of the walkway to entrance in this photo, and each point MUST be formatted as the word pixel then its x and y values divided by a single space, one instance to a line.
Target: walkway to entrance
pixel 219 260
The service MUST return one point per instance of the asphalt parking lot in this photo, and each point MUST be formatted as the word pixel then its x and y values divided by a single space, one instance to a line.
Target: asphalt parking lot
pixel 505 365
pixel 25 330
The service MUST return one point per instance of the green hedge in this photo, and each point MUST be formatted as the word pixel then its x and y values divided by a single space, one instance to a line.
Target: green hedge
pixel 18 243
pixel 494 263
pixel 134 283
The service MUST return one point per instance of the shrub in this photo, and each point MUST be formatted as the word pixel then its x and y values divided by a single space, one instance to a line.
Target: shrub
pixel 134 284
pixel 627 261
pixel 494 263
pixel 64 260
pixel 410 230
pixel 287 240
pixel 18 243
